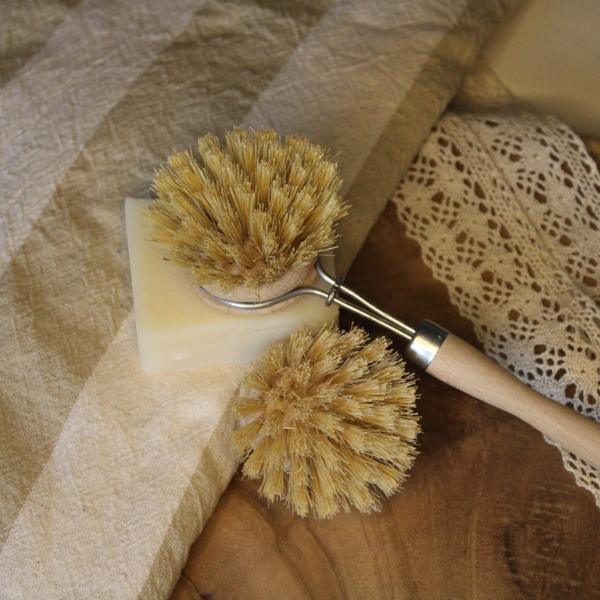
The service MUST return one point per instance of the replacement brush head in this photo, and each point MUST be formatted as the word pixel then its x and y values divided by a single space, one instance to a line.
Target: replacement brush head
pixel 327 421
pixel 248 213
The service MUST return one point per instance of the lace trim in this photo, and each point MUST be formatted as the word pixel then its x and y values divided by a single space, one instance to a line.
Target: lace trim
pixel 507 211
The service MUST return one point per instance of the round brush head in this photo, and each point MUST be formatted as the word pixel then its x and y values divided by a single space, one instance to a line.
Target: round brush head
pixel 327 421
pixel 246 214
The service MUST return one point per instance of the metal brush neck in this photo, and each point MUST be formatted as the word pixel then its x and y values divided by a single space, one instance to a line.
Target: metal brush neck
pixel 374 313
pixel 424 342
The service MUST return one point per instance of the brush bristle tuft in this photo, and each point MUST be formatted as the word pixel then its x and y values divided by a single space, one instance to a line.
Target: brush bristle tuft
pixel 327 421
pixel 248 213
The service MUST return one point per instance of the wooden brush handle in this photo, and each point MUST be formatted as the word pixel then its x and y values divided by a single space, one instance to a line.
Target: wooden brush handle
pixel 465 368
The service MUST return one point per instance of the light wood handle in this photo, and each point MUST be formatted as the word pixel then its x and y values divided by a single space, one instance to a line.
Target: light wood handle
pixel 465 368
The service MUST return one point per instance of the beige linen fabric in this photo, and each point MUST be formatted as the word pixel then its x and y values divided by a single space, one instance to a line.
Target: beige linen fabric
pixel 108 475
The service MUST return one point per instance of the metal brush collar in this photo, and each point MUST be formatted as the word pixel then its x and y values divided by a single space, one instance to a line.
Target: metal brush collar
pixel 423 342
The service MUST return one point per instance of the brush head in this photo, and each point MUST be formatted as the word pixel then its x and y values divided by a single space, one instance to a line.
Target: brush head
pixel 248 213
pixel 327 421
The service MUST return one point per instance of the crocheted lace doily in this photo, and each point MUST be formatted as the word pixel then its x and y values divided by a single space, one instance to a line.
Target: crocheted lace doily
pixel 507 211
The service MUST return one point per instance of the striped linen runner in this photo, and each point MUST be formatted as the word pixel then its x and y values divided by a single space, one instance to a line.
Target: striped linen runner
pixel 108 475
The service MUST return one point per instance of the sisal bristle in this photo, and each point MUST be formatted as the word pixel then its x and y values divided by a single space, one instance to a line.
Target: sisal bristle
pixel 248 213
pixel 329 421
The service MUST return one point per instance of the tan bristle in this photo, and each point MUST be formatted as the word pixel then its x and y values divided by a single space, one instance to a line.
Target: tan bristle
pixel 327 420
pixel 248 213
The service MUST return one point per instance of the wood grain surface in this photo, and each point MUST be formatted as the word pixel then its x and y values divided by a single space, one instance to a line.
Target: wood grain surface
pixel 487 512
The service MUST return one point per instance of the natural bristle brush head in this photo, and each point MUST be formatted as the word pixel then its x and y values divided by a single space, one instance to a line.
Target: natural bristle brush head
pixel 327 420
pixel 246 214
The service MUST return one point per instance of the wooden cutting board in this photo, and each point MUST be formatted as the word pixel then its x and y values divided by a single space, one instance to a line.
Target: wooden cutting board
pixel 487 512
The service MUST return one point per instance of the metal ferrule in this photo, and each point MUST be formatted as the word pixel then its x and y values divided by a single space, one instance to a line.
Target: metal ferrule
pixel 423 347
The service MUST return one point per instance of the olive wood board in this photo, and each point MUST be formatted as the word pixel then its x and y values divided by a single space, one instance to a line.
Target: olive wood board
pixel 488 510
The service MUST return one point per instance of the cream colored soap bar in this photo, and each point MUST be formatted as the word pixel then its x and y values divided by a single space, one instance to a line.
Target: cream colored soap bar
pixel 177 330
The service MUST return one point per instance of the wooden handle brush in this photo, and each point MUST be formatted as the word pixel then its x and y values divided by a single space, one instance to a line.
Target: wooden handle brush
pixel 454 361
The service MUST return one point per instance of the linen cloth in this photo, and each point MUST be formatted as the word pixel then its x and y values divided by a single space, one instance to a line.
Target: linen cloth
pixel 107 475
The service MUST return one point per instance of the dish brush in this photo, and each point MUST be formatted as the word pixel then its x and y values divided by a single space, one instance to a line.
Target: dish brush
pixel 327 420
pixel 457 363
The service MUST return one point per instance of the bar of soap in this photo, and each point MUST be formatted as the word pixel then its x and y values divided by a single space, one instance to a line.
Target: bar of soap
pixel 178 331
